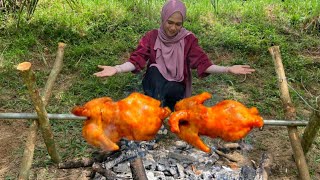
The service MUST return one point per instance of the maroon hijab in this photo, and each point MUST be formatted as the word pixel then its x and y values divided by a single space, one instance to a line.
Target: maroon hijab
pixel 170 50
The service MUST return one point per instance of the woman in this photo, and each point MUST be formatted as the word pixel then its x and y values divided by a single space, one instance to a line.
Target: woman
pixel 169 53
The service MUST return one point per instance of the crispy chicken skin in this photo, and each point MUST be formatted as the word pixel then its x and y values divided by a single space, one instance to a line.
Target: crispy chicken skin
pixel 228 120
pixel 137 117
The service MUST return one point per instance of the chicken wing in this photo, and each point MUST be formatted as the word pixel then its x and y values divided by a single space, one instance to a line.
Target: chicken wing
pixel 137 117
pixel 228 120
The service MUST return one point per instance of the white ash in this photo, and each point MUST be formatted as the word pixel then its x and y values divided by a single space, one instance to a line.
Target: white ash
pixel 179 161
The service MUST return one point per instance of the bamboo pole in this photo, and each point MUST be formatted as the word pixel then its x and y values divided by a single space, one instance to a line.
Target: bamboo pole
pixel 311 130
pixel 290 114
pixel 32 136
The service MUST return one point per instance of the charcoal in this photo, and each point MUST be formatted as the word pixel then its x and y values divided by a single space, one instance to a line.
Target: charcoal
pixel 150 165
pixel 170 178
pixel 173 171
pixel 181 157
pixel 206 175
pixel 192 177
pixel 167 173
pixel 180 169
pixel 181 145
pixel 159 175
pixel 174 162
pixel 160 167
pixel 150 175
pixel 227 174
pixel 122 158
pixel 247 173
pixel 121 168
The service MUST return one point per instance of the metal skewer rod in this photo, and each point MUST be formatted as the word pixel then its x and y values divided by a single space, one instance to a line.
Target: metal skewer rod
pixel 269 122
pixel 34 116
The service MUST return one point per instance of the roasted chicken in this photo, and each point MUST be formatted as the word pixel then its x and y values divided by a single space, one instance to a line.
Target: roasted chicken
pixel 228 120
pixel 137 117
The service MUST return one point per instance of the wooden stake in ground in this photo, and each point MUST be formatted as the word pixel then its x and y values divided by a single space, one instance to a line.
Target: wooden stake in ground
pixel 28 151
pixel 311 130
pixel 290 114
pixel 53 74
pixel 29 79
pixel 32 136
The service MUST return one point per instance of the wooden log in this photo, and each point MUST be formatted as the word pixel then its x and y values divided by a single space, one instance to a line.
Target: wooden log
pixel 29 79
pixel 77 163
pixel 137 169
pixel 31 138
pixel 311 130
pixel 290 114
pixel 181 157
pixel 107 173
pixel 86 162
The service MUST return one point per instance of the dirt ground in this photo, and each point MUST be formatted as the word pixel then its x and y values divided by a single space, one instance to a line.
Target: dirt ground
pixel 271 139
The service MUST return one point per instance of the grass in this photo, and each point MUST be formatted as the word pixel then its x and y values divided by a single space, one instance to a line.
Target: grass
pixel 105 32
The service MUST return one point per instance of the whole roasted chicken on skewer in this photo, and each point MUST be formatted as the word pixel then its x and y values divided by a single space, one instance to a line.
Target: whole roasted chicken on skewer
pixel 228 120
pixel 137 117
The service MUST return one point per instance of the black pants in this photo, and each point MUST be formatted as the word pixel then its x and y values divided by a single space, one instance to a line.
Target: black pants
pixel 156 86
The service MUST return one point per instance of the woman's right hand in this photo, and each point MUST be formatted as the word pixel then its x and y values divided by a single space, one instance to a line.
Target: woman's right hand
pixel 107 71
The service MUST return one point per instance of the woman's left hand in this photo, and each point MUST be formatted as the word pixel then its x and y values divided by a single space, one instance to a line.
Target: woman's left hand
pixel 240 69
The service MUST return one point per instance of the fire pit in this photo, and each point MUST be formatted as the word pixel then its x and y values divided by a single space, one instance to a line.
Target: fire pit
pixel 178 160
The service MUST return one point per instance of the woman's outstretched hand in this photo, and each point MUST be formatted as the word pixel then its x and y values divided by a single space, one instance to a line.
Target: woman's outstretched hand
pixel 107 71
pixel 240 69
